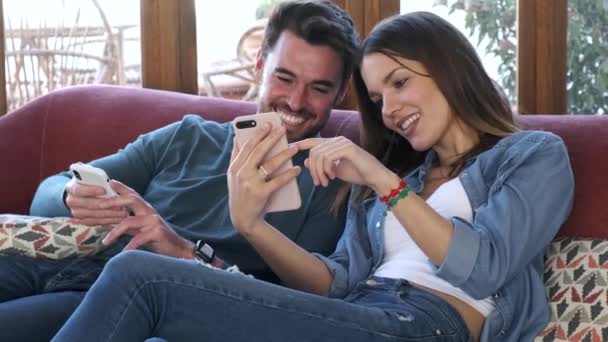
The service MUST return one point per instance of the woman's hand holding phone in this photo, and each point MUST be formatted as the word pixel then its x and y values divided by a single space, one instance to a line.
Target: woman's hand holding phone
pixel 253 176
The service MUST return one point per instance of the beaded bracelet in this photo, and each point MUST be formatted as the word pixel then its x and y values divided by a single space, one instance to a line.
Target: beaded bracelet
pixel 395 195
pixel 394 192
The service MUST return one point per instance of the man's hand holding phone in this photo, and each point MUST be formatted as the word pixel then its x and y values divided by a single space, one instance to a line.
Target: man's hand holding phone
pixel 85 192
pixel 96 200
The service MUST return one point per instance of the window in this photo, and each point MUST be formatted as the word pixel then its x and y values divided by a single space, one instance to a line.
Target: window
pixel 227 47
pixel 68 42
pixel 587 56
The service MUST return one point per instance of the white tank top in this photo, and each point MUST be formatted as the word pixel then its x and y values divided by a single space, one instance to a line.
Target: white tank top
pixel 403 259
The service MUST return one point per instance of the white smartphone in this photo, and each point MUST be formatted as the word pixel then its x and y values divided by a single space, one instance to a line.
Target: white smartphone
pixel 288 196
pixel 91 175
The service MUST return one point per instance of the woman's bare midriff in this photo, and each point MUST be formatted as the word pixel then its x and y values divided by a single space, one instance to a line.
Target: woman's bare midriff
pixel 471 316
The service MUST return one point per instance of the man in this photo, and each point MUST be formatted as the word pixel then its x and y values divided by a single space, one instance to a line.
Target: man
pixel 173 198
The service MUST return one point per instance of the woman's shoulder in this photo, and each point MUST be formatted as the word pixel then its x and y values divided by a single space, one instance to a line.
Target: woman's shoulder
pixel 528 141
pixel 529 138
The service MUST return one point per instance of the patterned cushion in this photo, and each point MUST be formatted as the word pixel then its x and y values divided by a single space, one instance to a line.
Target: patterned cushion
pixel 576 279
pixel 54 238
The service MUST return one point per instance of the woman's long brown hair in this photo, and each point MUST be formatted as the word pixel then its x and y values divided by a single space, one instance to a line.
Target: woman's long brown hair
pixel 455 67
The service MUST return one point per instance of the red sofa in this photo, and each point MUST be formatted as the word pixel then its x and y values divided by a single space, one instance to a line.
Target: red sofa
pixel 86 122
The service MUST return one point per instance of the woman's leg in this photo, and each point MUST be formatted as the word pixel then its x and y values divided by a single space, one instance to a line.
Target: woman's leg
pixel 140 295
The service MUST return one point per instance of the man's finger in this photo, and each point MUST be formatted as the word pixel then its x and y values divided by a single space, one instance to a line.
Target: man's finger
pixel 129 226
pixel 137 241
pixel 80 213
pixel 84 190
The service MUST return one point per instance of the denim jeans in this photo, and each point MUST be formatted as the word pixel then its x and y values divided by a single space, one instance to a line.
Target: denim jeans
pixel 141 295
pixel 37 295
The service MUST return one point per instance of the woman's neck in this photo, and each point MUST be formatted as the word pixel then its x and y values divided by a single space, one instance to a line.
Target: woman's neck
pixel 456 143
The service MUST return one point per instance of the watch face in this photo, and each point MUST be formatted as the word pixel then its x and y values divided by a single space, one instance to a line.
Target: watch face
pixel 205 252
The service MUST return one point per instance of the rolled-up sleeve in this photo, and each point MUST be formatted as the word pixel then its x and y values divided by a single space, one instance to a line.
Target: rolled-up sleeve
pixel 528 202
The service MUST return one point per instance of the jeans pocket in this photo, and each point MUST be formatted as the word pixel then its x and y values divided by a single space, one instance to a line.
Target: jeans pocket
pixel 78 275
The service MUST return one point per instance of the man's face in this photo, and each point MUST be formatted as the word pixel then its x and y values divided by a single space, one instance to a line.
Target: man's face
pixel 300 81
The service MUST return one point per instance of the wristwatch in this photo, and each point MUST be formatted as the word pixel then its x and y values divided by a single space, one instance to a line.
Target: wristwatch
pixel 203 252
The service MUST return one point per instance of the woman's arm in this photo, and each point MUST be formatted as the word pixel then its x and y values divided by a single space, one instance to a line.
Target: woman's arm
pixel 249 190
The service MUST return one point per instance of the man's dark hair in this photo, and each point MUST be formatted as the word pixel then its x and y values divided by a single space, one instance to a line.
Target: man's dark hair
pixel 318 23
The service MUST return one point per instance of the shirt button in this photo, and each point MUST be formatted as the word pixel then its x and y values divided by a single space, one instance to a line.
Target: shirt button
pixel 438 332
pixel 378 224
pixel 496 295
pixel 371 282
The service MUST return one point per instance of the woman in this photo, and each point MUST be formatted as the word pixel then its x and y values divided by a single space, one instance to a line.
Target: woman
pixel 448 220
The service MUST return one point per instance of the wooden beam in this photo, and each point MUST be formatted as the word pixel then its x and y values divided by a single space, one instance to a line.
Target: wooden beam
pixel 3 99
pixel 542 56
pixel 366 14
pixel 168 44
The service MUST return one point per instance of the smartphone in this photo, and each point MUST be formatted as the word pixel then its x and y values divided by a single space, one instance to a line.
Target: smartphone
pixel 91 175
pixel 288 196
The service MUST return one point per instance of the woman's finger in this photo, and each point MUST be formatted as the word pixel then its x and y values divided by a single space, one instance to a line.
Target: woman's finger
pixel 333 156
pixel 282 179
pixel 278 160
pixel 249 146
pixel 309 143
pixel 262 149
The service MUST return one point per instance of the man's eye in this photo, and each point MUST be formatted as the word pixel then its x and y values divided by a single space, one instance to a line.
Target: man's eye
pixel 284 79
pixel 321 90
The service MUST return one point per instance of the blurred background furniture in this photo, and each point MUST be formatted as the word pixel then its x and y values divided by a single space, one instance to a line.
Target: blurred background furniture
pixel 41 58
pixel 235 78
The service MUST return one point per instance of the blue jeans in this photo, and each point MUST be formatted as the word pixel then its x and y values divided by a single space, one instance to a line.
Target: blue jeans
pixel 140 295
pixel 37 296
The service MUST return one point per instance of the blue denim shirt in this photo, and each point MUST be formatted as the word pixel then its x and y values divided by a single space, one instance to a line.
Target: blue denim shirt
pixel 521 192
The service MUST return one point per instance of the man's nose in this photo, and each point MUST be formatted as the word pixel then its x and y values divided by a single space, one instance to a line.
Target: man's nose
pixel 297 99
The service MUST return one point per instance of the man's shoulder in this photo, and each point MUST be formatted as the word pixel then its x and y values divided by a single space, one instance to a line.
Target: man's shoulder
pixel 194 128
pixel 197 123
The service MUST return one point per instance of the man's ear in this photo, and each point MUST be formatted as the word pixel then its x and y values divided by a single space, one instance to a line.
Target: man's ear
pixel 259 66
pixel 343 90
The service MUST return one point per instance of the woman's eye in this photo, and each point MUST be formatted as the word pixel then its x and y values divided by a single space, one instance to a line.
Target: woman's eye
pixel 401 83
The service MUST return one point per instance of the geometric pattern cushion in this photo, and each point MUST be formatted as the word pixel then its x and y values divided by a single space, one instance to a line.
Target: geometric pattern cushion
pixel 576 281
pixel 52 238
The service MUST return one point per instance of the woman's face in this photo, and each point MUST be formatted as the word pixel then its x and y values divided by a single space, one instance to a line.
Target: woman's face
pixel 412 105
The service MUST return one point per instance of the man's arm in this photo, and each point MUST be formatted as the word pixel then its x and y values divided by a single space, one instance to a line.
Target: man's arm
pixel 134 165
pixel 49 198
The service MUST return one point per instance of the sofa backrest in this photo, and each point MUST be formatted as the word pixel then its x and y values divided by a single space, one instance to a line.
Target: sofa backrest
pixel 86 122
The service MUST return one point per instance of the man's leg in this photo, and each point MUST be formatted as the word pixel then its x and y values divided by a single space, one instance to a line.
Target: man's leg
pixel 38 295
pixel 24 276
pixel 37 318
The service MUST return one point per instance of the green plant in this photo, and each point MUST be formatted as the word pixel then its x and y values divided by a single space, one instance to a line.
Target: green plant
pixel 587 46
pixel 264 8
